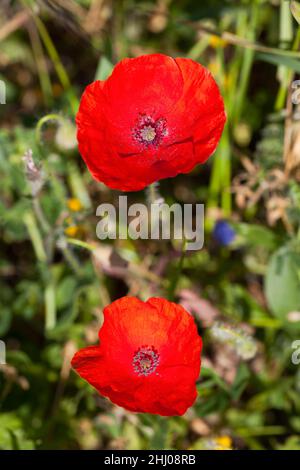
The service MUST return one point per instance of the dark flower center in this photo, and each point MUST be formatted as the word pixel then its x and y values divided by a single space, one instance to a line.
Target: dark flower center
pixel 148 131
pixel 145 360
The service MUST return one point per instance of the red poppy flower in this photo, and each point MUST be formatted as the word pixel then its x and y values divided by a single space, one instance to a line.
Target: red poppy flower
pixel 148 359
pixel 153 118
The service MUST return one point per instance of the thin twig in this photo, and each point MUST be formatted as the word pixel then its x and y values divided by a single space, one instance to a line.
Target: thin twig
pixel 20 19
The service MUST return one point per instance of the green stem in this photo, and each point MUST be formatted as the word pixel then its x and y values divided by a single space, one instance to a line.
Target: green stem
pixel 44 120
pixel 80 243
pixel 40 215
pixel 69 256
pixel 287 76
pixel 175 279
pixel 152 193
pixel 226 176
pixel 50 305
pixel 247 62
pixel 35 236
pixel 41 65
pixel 60 69
pixel 58 65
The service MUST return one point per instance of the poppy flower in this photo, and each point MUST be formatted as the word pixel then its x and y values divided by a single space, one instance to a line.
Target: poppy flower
pixel 148 359
pixel 153 118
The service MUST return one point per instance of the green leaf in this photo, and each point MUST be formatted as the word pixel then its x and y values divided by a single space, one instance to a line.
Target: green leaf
pixel 65 292
pixel 256 235
pixel 291 443
pixel 274 59
pixel 295 9
pixel 12 436
pixel 240 381
pixel 282 283
pixel 5 320
pixel 217 402
pixel 104 69
pixel 209 373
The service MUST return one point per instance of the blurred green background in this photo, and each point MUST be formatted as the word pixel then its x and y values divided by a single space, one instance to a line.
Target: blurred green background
pixel 56 276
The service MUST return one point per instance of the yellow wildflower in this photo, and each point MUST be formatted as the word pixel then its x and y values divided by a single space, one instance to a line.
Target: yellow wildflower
pixel 216 41
pixel 74 204
pixel 223 443
pixel 72 231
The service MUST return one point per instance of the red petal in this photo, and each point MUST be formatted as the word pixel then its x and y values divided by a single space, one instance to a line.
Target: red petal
pixel 130 325
pixel 150 84
pixel 180 91
pixel 89 363
pixel 201 103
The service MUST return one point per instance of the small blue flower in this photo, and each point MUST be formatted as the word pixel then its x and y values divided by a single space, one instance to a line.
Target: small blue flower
pixel 223 233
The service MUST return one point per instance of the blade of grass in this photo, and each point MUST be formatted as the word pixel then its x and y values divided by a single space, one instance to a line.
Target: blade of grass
pixel 41 65
pixel 35 237
pixel 50 306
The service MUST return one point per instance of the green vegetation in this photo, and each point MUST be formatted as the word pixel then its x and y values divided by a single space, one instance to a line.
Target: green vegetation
pixel 56 276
